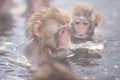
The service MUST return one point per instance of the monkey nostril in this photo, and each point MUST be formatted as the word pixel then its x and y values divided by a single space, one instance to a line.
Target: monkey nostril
pixel 81 35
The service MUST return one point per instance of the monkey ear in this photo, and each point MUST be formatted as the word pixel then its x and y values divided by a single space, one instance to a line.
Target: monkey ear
pixel 37 28
pixel 97 19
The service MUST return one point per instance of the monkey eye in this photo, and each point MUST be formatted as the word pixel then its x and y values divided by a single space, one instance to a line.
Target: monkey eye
pixel 62 31
pixel 77 22
pixel 86 23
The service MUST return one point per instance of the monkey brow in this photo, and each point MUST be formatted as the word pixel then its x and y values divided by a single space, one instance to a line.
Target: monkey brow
pixel 86 19
pixel 63 28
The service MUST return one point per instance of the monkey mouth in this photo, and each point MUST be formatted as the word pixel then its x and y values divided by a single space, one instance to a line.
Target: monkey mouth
pixel 81 36
pixel 78 39
pixel 64 46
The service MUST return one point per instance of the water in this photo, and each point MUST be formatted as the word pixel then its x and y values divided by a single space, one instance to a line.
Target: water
pixel 98 60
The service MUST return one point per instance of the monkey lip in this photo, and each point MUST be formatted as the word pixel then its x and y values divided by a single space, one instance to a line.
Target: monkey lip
pixel 81 36
pixel 64 46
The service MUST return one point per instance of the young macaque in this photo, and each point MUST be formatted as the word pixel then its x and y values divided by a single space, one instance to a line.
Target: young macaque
pixel 55 69
pixel 84 21
pixel 48 34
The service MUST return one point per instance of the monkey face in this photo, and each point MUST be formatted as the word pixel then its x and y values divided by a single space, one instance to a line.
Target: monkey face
pixel 84 21
pixel 81 27
pixel 63 37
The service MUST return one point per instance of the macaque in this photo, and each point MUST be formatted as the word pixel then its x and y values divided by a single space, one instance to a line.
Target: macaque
pixel 55 69
pixel 5 17
pixel 4 5
pixel 83 23
pixel 2 2
pixel 48 34
pixel 34 5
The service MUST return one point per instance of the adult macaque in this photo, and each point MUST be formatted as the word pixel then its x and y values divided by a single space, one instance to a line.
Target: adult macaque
pixel 6 20
pixel 55 69
pixel 5 5
pixel 48 34
pixel 84 21
pixel 34 5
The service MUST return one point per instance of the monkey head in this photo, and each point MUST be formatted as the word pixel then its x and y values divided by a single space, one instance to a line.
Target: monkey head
pixel 83 22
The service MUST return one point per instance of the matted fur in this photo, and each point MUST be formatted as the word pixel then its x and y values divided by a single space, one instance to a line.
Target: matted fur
pixel 83 9
pixel 39 49
pixel 45 14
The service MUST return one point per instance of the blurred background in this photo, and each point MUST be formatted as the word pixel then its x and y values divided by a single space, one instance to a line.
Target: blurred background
pixel 103 64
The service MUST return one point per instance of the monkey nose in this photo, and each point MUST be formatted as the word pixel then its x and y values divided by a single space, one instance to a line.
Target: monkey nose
pixel 82 36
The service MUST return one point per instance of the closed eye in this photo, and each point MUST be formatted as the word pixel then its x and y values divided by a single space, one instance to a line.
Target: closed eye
pixel 86 23
pixel 64 30
pixel 77 22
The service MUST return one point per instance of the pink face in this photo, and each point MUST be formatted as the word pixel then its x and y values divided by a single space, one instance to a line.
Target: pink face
pixel 64 37
pixel 81 27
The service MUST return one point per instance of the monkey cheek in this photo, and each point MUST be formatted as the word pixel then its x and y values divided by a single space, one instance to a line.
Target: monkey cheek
pixel 65 43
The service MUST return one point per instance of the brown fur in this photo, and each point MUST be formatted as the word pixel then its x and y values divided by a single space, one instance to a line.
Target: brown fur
pixel 34 5
pixel 38 49
pixel 5 5
pixel 88 12
pixel 55 69
pixel 83 9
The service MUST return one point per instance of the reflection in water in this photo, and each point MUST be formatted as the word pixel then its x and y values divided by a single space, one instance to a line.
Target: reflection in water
pixel 11 68
pixel 85 54
pixel 85 57
pixel 12 65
